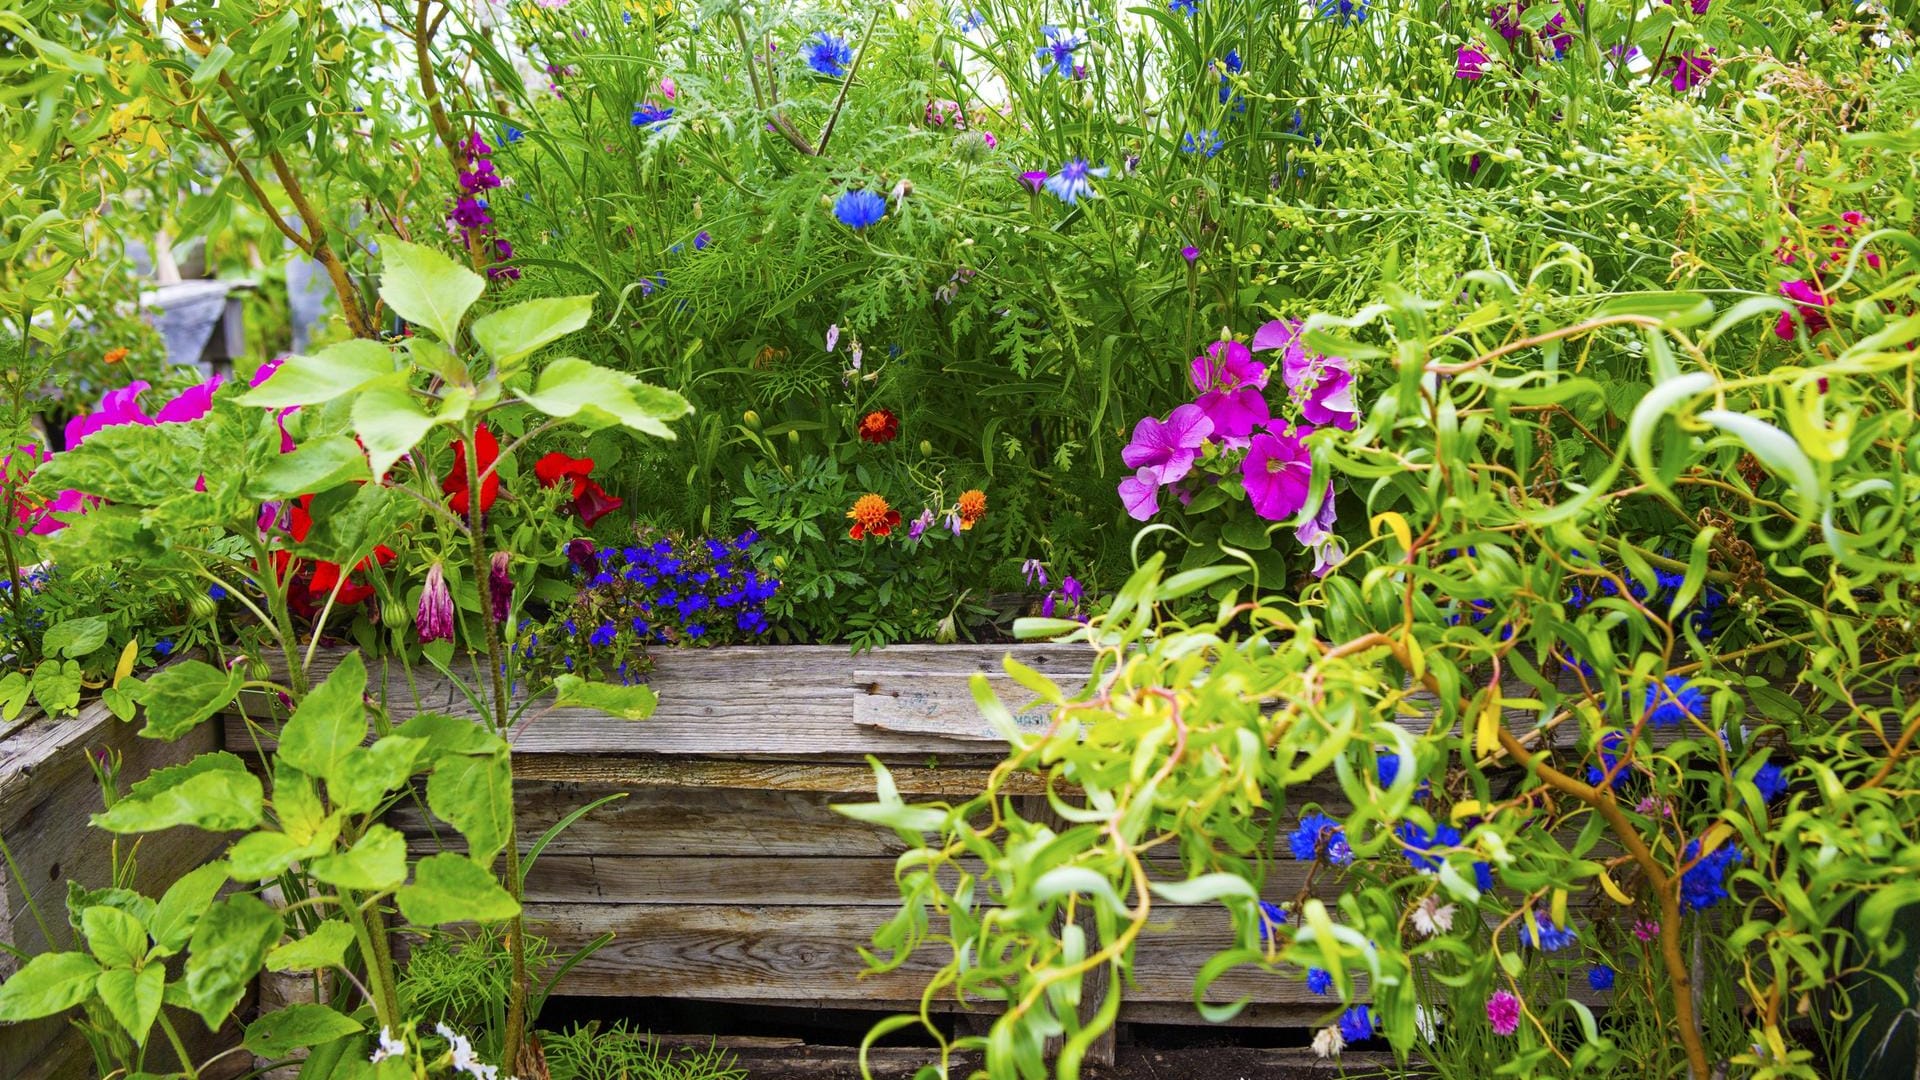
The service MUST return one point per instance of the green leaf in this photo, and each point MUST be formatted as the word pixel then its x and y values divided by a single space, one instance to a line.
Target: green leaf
pixel 1775 448
pixel 370 774
pixel 117 700
pixel 75 638
pixel 296 802
pixel 517 331
pixel 48 984
pixel 56 686
pixel 474 793
pixel 596 397
pixel 316 465
pixel 229 945
pixel 451 888
pixel 1663 399
pixel 434 358
pixel 214 792
pixel 625 702
pixel 324 948
pixel 15 692
pixel 185 694
pixel 332 372
pixel 212 64
pixel 181 905
pixel 115 938
pixel 375 863
pixel 267 854
pixel 133 997
pixel 427 288
pixel 1205 889
pixel 445 735
pixel 330 723
pixel 390 422
pixel 295 1027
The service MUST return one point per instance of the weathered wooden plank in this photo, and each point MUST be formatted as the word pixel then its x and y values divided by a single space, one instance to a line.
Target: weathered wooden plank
pixel 941 705
pixel 1134 1063
pixel 721 953
pixel 47 792
pixel 633 772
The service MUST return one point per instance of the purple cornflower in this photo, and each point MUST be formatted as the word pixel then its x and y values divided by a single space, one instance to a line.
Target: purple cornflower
pixel 1073 182
pixel 435 617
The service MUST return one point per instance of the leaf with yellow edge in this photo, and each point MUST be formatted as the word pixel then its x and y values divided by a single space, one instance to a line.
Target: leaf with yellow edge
pixel 1619 897
pixel 1467 808
pixel 1559 907
pixel 125 667
pixel 1486 730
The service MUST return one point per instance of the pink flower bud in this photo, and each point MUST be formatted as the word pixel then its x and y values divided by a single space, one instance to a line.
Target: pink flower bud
pixel 435 617
pixel 500 586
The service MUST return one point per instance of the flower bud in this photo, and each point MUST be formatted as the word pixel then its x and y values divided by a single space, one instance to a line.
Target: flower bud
pixel 500 586
pixel 793 436
pixel 779 562
pixel 393 613
pixel 202 607
pixel 435 617
pixel 926 448
pixel 751 419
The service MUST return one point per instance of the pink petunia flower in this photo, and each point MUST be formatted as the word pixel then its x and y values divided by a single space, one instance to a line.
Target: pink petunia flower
pixel 1169 447
pixel 1276 471
pixel 1321 385
pixel 1809 305
pixel 1230 384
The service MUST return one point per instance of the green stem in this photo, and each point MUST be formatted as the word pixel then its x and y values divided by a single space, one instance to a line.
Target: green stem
pixel 517 933
pixel 282 618
pixel 179 1048
pixel 386 1006
pixel 29 643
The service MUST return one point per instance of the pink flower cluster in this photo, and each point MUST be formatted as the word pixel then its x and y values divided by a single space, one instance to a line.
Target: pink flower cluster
pixel 1810 295
pixel 1231 412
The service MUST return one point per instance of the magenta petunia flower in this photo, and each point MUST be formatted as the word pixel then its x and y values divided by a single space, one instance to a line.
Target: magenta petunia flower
pixel 191 404
pixel 1140 494
pixel 117 407
pixel 1321 385
pixel 1690 70
pixel 1169 446
pixel 1470 63
pixel 1503 1012
pixel 1276 471
pixel 1810 305
pixel 1316 535
pixel 1230 384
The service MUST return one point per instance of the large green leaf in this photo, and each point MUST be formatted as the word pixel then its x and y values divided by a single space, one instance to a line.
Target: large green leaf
pixel 213 792
pixel 75 638
pixel 450 735
pixel 49 983
pixel 56 686
pixel 370 773
pixel 229 945
pixel 597 397
pixel 115 938
pixel 185 694
pixel 389 421
pixel 427 288
pixel 330 723
pixel 332 372
pixel 133 997
pixel 316 465
pixel 514 332
pixel 134 464
pixel 180 907
pixel 324 948
pixel 451 888
pixel 375 863
pixel 474 793
pixel 295 1027
pixel 624 702
pixel 264 855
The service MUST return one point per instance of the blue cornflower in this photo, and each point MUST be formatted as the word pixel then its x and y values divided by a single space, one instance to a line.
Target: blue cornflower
pixel 859 208
pixel 1344 12
pixel 1071 183
pixel 1600 977
pixel 701 239
pixel 1704 884
pixel 1319 981
pixel 1206 142
pixel 572 630
pixel 1674 699
pixel 828 54
pixel 1387 766
pixel 1272 916
pixel 514 134
pixel 1188 8
pixel 1418 843
pixel 1771 782
pixel 1318 833
pixel 647 114
pixel 1357 1024
pixel 1232 60
pixel 1057 53
pixel 216 592
pixel 968 21
pixel 602 636
pixel 1553 938
pixel 163 648
pixel 1483 876
pixel 1609 762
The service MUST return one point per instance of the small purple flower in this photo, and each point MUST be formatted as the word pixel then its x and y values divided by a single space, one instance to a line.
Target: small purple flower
pixel 1321 385
pixel 920 524
pixel 1073 182
pixel 1470 63
pixel 435 617
pixel 1034 179
pixel 1690 70
pixel 471 213
pixel 582 555
pixel 1190 253
pixel 1057 54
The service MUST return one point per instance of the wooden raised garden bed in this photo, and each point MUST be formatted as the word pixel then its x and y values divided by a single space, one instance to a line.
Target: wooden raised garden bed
pixel 724 874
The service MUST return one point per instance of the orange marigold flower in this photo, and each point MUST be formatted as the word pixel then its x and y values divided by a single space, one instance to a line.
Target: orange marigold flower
pixel 971 507
pixel 115 355
pixel 879 426
pixel 872 515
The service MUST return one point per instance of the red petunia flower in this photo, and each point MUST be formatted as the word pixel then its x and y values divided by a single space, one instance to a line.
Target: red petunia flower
pixel 593 503
pixel 879 426
pixel 590 500
pixel 488 451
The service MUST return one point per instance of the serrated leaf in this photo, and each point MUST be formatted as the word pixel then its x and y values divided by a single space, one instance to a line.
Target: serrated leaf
pixel 369 774
pixel 213 792
pixel 427 288
pixel 180 906
pixel 474 793
pixel 329 723
pixel 133 997
pixel 375 863
pixel 115 938
pixel 326 947
pixel 333 372
pixel 228 947
pixel 316 465
pixel 450 888
pixel 597 397
pixel 48 984
pixel 389 421
pixel 514 332
pixel 183 695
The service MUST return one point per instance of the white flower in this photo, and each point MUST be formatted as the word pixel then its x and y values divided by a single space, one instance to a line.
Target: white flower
pixel 1426 1022
pixel 464 1059
pixel 902 189
pixel 1430 917
pixel 833 337
pixel 391 1046
pixel 1328 1043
